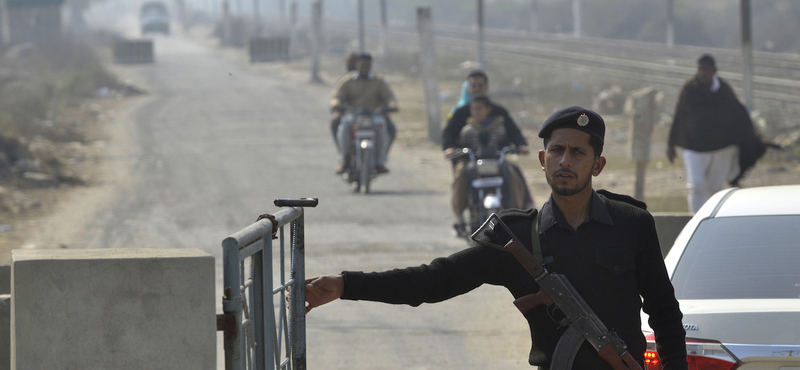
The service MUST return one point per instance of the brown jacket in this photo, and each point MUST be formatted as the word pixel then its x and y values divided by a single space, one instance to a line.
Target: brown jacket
pixel 371 93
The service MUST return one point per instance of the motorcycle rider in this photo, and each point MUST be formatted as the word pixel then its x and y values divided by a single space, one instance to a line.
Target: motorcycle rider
pixel 477 83
pixel 363 90
pixel 336 116
pixel 486 127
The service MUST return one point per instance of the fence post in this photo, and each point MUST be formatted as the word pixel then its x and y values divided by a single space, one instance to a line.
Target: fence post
pixel 427 63
pixel 299 295
pixel 641 109
pixel 316 42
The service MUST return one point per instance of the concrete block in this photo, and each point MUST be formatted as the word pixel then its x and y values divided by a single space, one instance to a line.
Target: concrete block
pixel 113 309
pixel 668 226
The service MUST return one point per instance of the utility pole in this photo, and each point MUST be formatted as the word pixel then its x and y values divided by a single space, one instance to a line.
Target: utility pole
pixel 480 34
pixel 4 38
pixel 670 23
pixel 316 43
pixel 293 30
pixel 384 30
pixel 576 18
pixel 747 53
pixel 533 17
pixel 256 18
pixel 362 47
pixel 427 59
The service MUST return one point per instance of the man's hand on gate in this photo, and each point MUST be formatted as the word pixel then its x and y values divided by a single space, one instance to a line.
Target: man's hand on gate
pixel 323 289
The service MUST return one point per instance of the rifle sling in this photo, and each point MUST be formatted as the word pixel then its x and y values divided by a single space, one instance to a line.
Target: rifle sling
pixel 536 247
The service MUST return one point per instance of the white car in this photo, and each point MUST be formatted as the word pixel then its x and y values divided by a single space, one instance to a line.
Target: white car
pixel 735 267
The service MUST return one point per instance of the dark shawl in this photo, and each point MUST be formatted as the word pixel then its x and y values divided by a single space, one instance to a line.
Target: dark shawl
pixel 706 121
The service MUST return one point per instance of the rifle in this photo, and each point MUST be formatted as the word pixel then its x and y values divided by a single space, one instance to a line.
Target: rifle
pixel 556 289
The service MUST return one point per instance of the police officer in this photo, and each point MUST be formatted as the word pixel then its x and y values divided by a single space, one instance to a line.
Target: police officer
pixel 605 244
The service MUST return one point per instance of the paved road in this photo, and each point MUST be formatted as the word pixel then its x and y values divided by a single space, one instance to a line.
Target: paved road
pixel 216 140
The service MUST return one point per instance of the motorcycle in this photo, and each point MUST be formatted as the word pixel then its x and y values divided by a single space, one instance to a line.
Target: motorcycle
pixel 364 151
pixel 486 184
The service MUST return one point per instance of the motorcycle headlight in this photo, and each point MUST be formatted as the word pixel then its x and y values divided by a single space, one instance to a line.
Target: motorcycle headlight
pixel 491 201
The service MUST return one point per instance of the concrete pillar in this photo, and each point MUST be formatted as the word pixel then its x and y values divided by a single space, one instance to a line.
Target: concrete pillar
pixel 668 226
pixel 113 309
pixel 641 109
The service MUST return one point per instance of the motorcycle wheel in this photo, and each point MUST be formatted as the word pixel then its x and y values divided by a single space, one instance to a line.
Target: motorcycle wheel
pixel 366 168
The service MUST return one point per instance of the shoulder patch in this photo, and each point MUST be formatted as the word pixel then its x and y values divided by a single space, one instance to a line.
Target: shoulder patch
pixel 622 198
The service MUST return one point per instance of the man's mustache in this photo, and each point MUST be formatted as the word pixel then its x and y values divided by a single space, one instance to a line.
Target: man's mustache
pixel 565 170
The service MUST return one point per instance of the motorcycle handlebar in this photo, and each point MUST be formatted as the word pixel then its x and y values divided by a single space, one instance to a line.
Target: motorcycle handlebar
pixel 460 152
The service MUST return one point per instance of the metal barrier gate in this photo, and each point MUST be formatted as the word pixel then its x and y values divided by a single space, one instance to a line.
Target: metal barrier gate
pixel 255 336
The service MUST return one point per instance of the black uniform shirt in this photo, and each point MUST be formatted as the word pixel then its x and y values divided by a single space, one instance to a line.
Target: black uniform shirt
pixel 611 259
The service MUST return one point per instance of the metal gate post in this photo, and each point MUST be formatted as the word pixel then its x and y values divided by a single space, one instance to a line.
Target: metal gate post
pixel 299 295
pixel 259 302
pixel 269 311
pixel 232 304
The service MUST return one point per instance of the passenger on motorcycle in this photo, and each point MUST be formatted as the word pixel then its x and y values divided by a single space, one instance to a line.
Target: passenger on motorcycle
pixel 363 90
pixel 486 127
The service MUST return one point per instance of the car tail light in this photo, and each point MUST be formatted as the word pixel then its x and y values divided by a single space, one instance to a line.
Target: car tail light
pixel 702 354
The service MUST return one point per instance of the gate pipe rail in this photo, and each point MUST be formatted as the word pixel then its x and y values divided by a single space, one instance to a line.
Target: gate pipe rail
pixel 253 337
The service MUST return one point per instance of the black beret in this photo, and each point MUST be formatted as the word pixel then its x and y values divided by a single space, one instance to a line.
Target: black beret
pixel 577 118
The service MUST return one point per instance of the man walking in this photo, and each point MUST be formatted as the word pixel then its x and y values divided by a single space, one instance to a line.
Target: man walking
pixel 710 125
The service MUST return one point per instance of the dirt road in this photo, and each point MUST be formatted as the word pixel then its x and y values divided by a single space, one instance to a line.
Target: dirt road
pixel 215 141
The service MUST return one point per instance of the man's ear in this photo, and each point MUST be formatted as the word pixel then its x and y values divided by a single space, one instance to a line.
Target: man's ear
pixel 599 164
pixel 541 158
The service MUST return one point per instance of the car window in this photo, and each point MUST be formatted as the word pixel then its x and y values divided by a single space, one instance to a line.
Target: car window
pixel 741 258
